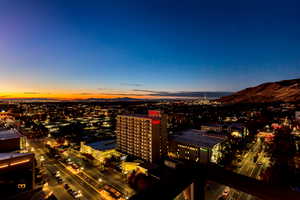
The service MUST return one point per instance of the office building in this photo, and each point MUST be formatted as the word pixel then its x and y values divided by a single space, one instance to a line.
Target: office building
pixel 213 127
pixel 196 145
pixel 143 136
pixel 11 140
pixel 16 173
pixel 233 129
pixel 100 150
pixel 17 169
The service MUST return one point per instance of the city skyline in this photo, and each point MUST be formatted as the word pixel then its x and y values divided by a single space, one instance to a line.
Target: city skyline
pixel 55 49
pixel 143 100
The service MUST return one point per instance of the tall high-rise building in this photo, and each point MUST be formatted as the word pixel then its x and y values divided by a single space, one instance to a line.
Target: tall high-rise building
pixel 143 136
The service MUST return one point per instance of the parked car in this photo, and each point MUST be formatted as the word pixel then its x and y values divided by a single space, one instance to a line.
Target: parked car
pixel 226 191
pixel 59 180
pixel 66 186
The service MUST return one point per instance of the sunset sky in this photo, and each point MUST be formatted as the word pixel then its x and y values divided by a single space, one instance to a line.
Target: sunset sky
pixel 143 49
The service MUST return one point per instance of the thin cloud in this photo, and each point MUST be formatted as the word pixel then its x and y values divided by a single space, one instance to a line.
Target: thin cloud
pixel 154 93
pixel 148 91
pixel 85 93
pixel 31 93
pixel 5 96
pixel 30 99
pixel 184 93
pixel 132 84
pixel 102 88
pixel 123 94
pixel 108 89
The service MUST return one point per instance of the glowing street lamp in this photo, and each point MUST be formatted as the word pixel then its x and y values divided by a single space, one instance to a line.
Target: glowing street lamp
pixel 42 158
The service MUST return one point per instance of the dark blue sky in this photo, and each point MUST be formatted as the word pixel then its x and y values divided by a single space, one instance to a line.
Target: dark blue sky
pixel 152 45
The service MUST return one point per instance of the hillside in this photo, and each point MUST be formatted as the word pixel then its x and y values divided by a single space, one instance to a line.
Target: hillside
pixel 282 91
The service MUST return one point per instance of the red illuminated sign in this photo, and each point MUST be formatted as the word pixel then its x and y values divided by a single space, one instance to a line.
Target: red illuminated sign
pixel 155 122
pixel 153 113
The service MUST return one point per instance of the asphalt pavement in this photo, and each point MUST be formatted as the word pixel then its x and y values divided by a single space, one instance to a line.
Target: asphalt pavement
pixel 247 166
pixel 110 177
pixel 74 181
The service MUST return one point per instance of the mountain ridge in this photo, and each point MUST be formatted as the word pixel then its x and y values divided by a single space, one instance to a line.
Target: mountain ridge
pixel 280 91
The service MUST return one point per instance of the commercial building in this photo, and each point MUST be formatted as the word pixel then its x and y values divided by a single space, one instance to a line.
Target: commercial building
pixel 143 136
pixel 212 127
pixel 233 129
pixel 196 145
pixel 17 169
pixel 99 150
pixel 16 173
pixel 11 140
pixel 128 167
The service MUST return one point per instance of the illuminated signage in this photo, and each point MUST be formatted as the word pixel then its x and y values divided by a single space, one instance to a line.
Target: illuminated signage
pixel 155 122
pixel 14 163
pixel 187 147
pixel 153 113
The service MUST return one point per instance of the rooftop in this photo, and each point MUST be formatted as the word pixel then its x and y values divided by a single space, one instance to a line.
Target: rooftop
pixel 103 145
pixel 139 116
pixel 232 125
pixel 198 138
pixel 213 125
pixel 10 155
pixel 152 114
pixel 6 134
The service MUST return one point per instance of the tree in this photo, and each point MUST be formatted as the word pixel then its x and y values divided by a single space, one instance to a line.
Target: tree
pixel 72 131
pixel 283 149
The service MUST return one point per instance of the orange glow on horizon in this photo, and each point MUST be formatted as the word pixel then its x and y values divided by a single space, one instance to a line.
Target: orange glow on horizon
pixel 68 96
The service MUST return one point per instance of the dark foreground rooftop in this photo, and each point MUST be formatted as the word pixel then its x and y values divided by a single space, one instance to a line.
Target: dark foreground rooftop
pixel 6 134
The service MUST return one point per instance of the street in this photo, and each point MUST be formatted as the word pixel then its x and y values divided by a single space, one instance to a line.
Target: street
pixel 249 166
pixel 75 182
pixel 111 177
pixel 88 180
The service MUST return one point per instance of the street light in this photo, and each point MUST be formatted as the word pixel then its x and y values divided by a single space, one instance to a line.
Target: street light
pixel 42 158
pixel 100 180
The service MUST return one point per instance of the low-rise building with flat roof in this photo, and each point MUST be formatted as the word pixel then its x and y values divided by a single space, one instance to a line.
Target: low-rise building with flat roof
pixel 233 129
pixel 11 140
pixel 100 150
pixel 196 145
pixel 212 127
